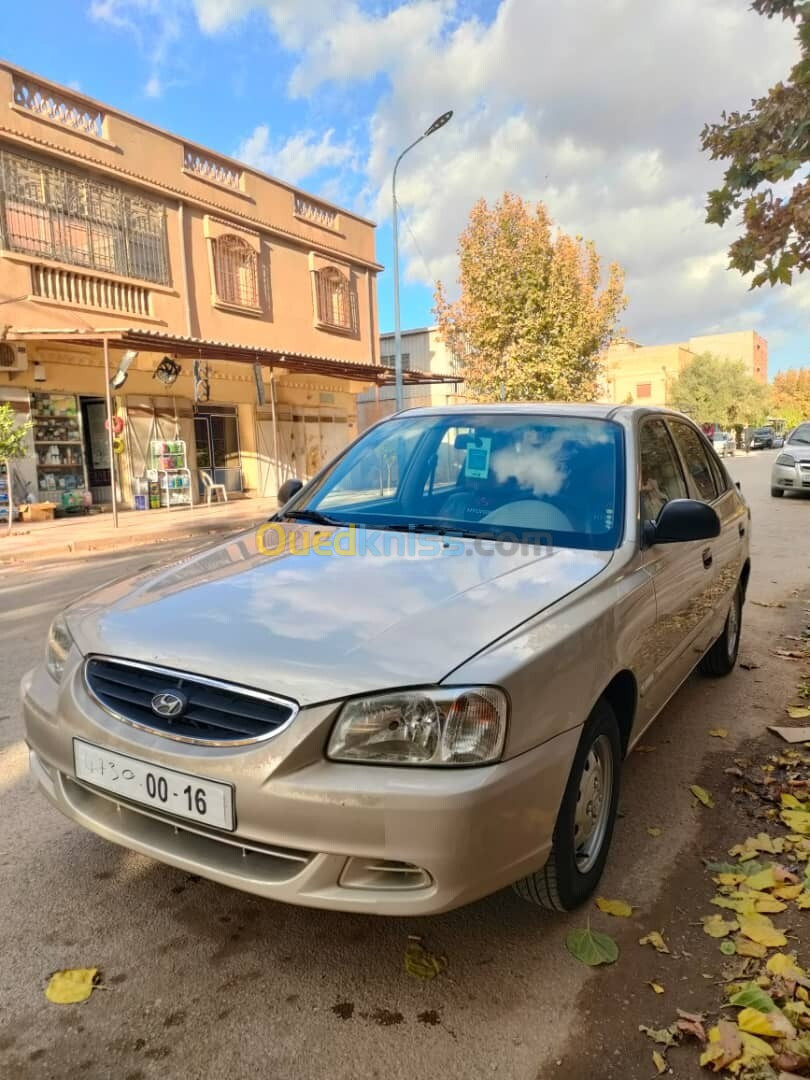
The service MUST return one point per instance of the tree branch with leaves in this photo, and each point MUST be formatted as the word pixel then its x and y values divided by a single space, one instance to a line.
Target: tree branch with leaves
pixel 766 147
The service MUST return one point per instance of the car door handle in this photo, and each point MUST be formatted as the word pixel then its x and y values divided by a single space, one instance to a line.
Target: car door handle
pixel 708 558
pixel 741 527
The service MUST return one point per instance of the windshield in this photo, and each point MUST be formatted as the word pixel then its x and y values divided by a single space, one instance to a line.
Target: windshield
pixel 546 479
pixel 801 435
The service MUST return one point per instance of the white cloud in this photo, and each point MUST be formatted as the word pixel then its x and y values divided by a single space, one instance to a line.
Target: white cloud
pixel 294 158
pixel 595 106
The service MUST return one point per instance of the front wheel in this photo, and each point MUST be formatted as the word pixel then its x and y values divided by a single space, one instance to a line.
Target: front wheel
pixel 585 822
pixel 722 656
pixel 777 493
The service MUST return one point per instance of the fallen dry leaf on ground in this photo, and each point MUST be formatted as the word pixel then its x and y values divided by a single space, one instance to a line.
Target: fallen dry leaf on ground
pixel 662 1036
pixel 717 927
pixel 653 830
pixel 656 940
pixel 618 908
pixel 659 1062
pixel 71 986
pixel 657 987
pixel 702 795
pixel 718 732
pixel 421 963
pixel 798 712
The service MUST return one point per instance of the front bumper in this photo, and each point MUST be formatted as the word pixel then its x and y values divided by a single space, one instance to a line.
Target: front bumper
pixel 382 840
pixel 791 477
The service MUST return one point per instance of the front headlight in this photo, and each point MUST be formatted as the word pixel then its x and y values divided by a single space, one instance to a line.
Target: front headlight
pixel 441 726
pixel 786 459
pixel 59 643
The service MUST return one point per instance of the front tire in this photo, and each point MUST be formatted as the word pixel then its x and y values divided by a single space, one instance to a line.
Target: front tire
pixel 585 822
pixel 777 492
pixel 722 656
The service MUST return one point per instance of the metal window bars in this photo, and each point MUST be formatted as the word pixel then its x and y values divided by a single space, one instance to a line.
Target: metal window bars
pixel 57 214
pixel 337 304
pixel 236 272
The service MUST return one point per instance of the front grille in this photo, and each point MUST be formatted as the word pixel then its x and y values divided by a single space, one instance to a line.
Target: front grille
pixel 215 712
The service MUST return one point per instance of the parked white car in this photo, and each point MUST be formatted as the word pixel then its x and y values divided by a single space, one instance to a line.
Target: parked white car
pixel 724 443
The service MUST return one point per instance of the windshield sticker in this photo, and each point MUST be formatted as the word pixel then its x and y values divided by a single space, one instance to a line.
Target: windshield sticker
pixel 477 463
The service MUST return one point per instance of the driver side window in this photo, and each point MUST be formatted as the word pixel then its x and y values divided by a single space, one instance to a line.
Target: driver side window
pixel 661 474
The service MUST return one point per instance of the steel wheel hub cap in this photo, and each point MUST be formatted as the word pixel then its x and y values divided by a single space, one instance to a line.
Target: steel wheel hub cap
pixel 593 804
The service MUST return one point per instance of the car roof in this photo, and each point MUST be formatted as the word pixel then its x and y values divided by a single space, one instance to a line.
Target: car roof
pixel 590 410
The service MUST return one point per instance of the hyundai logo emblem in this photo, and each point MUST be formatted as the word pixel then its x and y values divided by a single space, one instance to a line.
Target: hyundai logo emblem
pixel 169 704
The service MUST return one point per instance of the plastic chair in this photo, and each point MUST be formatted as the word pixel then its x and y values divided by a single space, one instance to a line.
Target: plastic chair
pixel 212 489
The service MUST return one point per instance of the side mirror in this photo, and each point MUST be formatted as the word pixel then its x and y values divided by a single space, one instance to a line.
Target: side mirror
pixel 681 520
pixel 287 490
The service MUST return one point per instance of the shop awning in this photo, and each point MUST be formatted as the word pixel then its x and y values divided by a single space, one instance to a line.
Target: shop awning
pixel 199 349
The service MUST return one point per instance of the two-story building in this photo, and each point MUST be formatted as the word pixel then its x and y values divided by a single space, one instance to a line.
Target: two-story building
pixel 236 313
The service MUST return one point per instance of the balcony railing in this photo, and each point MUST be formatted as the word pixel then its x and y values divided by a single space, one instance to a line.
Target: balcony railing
pixel 210 168
pixel 316 212
pixel 86 290
pixel 58 108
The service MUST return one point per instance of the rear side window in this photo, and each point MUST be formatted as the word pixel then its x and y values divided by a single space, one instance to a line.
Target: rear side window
pixel 661 474
pixel 696 459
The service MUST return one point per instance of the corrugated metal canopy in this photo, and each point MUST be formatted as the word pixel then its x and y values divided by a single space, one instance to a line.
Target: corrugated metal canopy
pixel 199 349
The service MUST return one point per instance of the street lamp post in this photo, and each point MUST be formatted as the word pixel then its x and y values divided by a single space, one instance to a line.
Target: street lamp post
pixel 439 122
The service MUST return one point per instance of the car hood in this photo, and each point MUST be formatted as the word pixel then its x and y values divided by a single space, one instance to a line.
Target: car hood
pixel 316 627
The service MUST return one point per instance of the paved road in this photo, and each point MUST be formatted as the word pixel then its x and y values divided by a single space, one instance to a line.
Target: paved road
pixel 206 982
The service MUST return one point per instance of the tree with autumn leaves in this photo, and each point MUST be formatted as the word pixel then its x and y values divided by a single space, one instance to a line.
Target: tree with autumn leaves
pixel 790 395
pixel 534 315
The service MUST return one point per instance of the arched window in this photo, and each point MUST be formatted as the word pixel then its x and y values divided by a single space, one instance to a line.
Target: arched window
pixel 236 271
pixel 334 299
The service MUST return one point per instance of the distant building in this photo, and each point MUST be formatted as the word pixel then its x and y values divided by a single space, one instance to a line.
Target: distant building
pixel 643 374
pixel 422 351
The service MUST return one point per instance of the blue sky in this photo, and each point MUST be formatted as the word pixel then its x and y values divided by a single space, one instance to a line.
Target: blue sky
pixel 594 106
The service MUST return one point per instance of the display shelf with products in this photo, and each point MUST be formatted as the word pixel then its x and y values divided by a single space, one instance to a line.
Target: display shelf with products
pixel 59 449
pixel 169 461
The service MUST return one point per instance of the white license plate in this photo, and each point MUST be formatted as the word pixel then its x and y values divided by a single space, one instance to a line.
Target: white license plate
pixel 180 794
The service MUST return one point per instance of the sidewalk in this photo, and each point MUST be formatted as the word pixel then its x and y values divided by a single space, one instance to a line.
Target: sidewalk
pixel 43 540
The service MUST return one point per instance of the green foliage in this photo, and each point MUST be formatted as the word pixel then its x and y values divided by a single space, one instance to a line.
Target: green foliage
pixel 765 146
pixel 711 389
pixel 534 317
pixel 12 434
pixel 791 395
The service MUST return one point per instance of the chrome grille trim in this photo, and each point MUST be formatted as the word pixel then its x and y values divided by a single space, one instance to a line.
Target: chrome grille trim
pixel 155 728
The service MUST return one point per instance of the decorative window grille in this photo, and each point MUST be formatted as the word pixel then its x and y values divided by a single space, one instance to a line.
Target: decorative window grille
pixel 389 361
pixel 56 214
pixel 236 274
pixel 336 302
pixel 58 108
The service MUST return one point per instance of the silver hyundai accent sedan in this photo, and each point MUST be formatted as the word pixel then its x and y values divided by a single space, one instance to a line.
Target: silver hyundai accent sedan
pixel 416 684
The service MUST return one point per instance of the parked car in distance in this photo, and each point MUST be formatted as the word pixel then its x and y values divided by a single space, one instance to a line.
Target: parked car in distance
pixel 724 443
pixel 415 684
pixel 761 438
pixel 791 470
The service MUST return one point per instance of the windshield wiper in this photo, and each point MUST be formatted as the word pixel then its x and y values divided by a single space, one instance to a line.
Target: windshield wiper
pixel 436 530
pixel 315 516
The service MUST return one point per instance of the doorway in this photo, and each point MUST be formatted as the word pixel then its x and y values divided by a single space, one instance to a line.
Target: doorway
pixel 216 436
pixel 96 448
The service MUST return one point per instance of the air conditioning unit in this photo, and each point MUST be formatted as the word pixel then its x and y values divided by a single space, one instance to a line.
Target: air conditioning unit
pixel 13 357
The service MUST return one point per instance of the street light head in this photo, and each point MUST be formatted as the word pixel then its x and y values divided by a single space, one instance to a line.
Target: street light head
pixel 439 122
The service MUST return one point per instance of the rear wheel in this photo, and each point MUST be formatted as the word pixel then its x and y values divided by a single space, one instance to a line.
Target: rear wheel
pixel 722 656
pixel 777 492
pixel 585 822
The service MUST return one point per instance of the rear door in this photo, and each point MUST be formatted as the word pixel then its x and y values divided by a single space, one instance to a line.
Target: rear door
pixel 679 576
pixel 709 482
